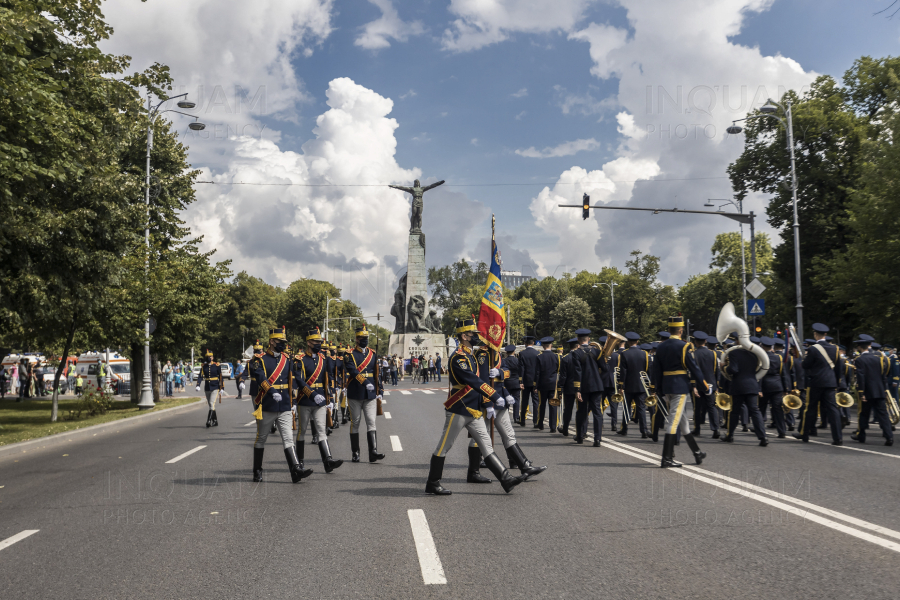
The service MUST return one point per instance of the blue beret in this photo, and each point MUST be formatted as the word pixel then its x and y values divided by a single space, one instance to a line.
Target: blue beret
pixel 654 345
pixel 828 338
pixel 866 337
pixel 510 349
pixel 663 334
pixel 582 332
pixel 700 335
pixel 630 335
pixel 711 339
pixel 729 342
pixel 820 328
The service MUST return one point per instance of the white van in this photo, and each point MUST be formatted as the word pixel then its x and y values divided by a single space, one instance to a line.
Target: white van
pixel 119 370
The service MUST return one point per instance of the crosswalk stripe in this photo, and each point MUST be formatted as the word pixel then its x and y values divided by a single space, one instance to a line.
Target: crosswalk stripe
pixel 427 392
pixel 24 534
pixel 387 415
pixel 405 393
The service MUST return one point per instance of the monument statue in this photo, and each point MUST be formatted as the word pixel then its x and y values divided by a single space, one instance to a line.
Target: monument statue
pixel 415 315
pixel 432 322
pixel 398 310
pixel 417 191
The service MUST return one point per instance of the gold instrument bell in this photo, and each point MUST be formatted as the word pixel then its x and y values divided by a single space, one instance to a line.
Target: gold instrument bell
pixel 723 401
pixel 844 400
pixel 791 401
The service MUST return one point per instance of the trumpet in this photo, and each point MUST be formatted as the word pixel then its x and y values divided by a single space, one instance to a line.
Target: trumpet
pixel 617 396
pixel 892 409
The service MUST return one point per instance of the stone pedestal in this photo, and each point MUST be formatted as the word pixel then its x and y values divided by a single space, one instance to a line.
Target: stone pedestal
pixel 404 344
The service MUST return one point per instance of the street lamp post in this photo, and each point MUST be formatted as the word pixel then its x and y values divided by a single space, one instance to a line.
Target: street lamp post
pixel 152 113
pixel 739 204
pixel 327 304
pixel 769 110
pixel 612 295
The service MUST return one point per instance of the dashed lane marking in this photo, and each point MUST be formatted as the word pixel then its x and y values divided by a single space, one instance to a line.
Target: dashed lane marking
pixel 429 561
pixel 24 534
pixel 387 415
pixel 250 423
pixel 405 393
pixel 188 453
pixel 395 444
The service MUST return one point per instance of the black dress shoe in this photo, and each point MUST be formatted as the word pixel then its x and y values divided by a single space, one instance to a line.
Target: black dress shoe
pixel 745 428
pixel 564 432
pixel 802 438
pixel 764 442
pixel 715 435
pixel 838 443
pixel 889 442
pixel 541 427
pixel 644 436
pixel 855 437
pixel 596 443
pixel 578 440
pixel 790 427
pixel 780 436
pixel 728 438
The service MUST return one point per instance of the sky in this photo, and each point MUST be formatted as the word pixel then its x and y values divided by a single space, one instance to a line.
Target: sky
pixel 313 106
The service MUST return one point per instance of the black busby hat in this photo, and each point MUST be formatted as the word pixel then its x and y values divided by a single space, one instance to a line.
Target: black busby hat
pixel 257 346
pixel 313 334
pixel 278 333
pixel 361 331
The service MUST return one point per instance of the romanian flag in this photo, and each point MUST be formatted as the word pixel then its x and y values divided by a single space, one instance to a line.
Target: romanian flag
pixel 492 316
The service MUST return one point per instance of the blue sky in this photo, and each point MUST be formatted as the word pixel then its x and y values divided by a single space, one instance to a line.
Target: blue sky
pixel 482 91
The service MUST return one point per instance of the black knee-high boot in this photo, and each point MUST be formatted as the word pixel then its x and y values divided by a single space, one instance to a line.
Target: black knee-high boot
pixel 330 463
pixel 473 476
pixel 433 485
pixel 500 472
pixel 517 458
pixel 692 444
pixel 372 438
pixel 354 447
pixel 257 463
pixel 668 454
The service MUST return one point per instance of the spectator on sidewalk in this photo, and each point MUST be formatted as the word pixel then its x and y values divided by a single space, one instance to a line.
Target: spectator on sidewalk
pixel 394 369
pixel 437 366
pixel 4 382
pixel 79 385
pixel 169 373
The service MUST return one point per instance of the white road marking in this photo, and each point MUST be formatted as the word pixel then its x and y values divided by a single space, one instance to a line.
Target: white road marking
pixel 745 491
pixel 250 423
pixel 405 393
pixel 853 448
pixel 429 561
pixel 386 393
pixel 426 391
pixel 387 415
pixel 24 534
pixel 395 444
pixel 188 453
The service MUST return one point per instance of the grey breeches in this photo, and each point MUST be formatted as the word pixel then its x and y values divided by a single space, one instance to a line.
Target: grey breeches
pixel 677 417
pixel 211 397
pixel 503 425
pixel 283 420
pixel 318 413
pixel 359 408
pixel 453 424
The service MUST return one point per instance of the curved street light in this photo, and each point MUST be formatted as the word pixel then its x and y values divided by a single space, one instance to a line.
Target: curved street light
pixel 612 294
pixel 153 112
pixel 770 109
pixel 327 305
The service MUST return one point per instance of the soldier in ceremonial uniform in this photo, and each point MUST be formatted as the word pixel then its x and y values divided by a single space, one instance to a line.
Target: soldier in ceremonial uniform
pixel 529 359
pixel 547 377
pixel 363 392
pixel 613 363
pixel 633 362
pixel 470 401
pixel 822 365
pixel 331 362
pixel 312 400
pixel 872 379
pixel 671 375
pixel 772 385
pixel 588 381
pixel 567 383
pixel 212 381
pixel 491 373
pixel 512 377
pixel 705 402
pixel 744 389
pixel 275 379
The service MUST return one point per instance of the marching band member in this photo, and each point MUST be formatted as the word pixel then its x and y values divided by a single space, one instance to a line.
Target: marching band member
pixel 529 358
pixel 744 389
pixel 547 376
pixel 589 369
pixel 671 374
pixel 632 362
pixel 706 402
pixel 872 372
pixel 821 365
pixel 773 387
pixel 513 371
pixel 567 381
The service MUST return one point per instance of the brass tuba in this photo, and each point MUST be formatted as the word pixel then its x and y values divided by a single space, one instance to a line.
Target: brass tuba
pixel 613 339
pixel 730 323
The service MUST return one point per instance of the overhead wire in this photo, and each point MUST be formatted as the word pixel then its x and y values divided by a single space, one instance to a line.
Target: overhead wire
pixel 458 184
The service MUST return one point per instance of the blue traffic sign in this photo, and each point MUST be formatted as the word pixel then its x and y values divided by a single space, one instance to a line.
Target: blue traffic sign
pixel 757 307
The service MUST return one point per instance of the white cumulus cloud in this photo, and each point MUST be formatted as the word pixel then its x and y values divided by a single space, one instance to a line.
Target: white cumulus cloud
pixel 378 33
pixel 564 149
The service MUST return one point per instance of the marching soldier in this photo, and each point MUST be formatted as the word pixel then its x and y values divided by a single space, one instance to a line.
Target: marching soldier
pixel 312 367
pixel 634 361
pixel 513 372
pixel 276 381
pixel 548 366
pixel 470 399
pixel 706 402
pixel 822 364
pixel 363 392
pixel 872 372
pixel 529 359
pixel 658 420
pixel 588 381
pixel 211 373
pixel 788 372
pixel 671 375
pixel 341 383
pixel 567 382
pixel 773 387
pixel 615 362
pixel 492 374
pixel 331 362
pixel 744 390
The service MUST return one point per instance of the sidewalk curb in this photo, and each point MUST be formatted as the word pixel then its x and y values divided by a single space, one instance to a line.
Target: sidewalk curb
pixel 58 437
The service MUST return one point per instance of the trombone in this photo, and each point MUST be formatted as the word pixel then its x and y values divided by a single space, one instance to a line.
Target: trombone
pixel 892 409
pixel 652 399
pixel 617 396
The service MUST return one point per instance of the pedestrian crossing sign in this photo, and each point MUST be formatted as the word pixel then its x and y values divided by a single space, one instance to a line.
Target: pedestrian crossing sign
pixel 757 307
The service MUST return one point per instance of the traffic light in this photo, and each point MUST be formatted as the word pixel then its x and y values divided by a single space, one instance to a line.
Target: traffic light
pixel 585 207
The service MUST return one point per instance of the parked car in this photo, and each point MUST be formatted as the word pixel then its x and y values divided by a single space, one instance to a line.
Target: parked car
pixel 227 370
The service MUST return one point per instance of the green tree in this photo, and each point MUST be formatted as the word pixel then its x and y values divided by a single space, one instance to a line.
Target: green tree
pixel 251 308
pixel 450 283
pixel 570 314
pixel 643 303
pixel 546 294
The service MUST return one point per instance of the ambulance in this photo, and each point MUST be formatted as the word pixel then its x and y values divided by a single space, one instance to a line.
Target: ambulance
pixel 119 370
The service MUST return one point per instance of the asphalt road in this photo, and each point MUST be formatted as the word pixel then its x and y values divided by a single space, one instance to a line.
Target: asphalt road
pixel 114 519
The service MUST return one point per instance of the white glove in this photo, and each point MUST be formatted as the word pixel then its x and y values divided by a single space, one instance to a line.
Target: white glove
pixel 344 392
pixel 319 399
pixel 490 414
pixel 370 387
pixel 494 373
pixel 242 385
pixel 198 388
pixel 294 409
pixel 331 406
pixel 378 397
pixel 708 389
pixel 511 400
pixel 276 397
pixel 501 403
